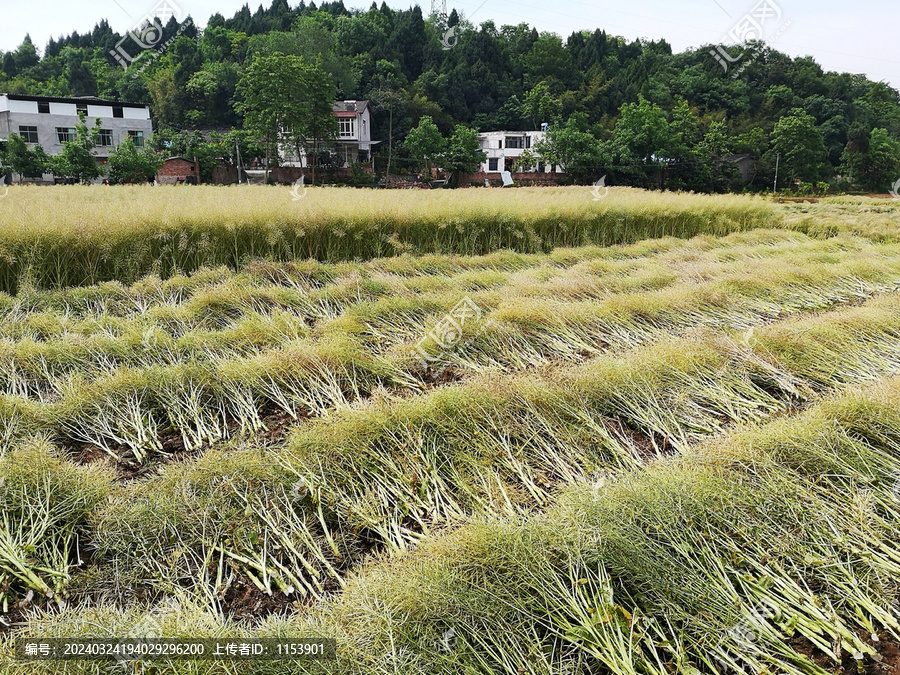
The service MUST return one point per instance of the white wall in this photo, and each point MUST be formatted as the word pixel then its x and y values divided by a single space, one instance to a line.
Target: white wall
pixel 69 109
pixel 136 113
pixel 99 111
pixel 22 106
pixel 62 108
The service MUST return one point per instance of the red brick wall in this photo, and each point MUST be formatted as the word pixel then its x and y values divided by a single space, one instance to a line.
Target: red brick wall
pixel 290 174
pixel 173 169
pixel 227 175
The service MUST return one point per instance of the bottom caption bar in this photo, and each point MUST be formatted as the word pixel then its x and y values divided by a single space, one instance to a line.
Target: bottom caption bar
pixel 147 649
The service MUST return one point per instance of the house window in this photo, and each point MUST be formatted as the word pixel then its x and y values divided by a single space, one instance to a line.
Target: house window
pixel 44 107
pixel 118 111
pixel 80 108
pixel 29 134
pixel 106 137
pixel 500 144
pixel 347 127
pixel 515 142
pixel 493 164
pixel 65 134
pixel 137 137
pixel 528 141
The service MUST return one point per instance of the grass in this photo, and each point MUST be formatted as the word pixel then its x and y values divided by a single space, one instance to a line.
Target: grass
pixel 45 502
pixel 207 356
pixel 395 472
pixel 669 456
pixel 707 561
pixel 875 219
pixel 79 236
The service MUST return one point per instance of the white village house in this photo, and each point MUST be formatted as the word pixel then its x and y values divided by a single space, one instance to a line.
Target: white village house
pixel 354 140
pixel 503 149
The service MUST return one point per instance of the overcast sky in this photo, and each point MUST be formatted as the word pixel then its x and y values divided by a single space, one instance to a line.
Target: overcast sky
pixel 857 37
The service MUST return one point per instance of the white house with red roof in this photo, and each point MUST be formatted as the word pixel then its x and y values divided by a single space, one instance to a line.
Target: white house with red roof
pixel 354 140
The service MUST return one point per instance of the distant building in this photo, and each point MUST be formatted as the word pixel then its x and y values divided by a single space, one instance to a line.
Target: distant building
pixel 354 140
pixel 503 149
pixel 50 121
pixel 354 130
pixel 746 164
pixel 178 170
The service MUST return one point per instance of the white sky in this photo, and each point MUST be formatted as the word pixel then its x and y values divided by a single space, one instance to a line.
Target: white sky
pixel 856 37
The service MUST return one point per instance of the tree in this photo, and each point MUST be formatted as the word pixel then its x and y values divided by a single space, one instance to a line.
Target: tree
pixel 642 127
pixel 388 93
pixel 211 90
pixel 19 159
pixel 801 145
pixel 463 153
pixel 409 41
pixel 548 59
pixel 684 132
pixel 166 100
pixel 283 94
pixel 541 105
pixel 318 123
pixel 311 39
pixel 718 173
pixel 127 164
pixel 80 78
pixel 876 164
pixel 577 152
pixel 77 159
pixel 426 143
pixel 23 58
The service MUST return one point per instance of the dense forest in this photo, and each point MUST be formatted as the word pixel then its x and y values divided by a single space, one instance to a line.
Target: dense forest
pixel 631 110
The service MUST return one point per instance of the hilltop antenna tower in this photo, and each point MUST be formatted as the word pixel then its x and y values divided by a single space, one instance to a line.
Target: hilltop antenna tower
pixel 434 4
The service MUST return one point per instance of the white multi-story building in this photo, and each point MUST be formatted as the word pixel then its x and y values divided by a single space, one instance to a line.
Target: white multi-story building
pixel 503 149
pixel 50 121
pixel 354 140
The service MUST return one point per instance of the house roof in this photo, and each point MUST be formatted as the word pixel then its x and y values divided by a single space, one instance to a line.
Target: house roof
pixel 352 107
pixel 93 100
pixel 511 133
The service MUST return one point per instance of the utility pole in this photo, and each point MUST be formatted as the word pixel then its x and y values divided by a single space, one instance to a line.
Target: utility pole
pixel 434 4
pixel 237 154
pixel 777 159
